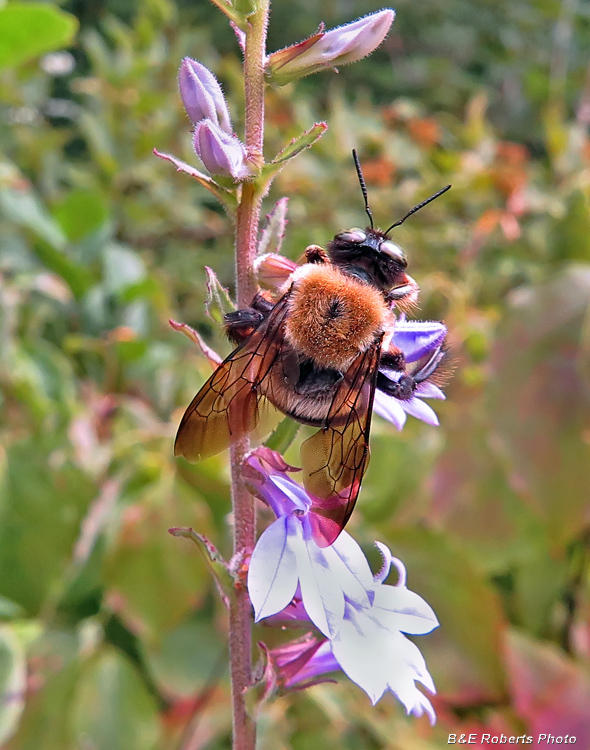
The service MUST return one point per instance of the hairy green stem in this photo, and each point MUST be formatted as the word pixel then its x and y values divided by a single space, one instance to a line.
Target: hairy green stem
pixel 248 216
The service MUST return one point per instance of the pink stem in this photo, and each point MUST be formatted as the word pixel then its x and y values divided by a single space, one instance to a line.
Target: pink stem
pixel 248 216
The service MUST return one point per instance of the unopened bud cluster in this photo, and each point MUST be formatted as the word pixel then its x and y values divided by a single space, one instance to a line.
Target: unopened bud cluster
pixel 220 151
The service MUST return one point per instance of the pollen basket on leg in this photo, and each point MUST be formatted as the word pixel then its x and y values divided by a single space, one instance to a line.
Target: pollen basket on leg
pixel 333 317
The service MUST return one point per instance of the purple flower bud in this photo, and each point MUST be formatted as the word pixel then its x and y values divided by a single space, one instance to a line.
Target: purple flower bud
pixel 220 152
pixel 339 46
pixel 202 95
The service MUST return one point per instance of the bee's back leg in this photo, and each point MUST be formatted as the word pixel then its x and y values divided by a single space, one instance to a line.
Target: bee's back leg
pixel 241 323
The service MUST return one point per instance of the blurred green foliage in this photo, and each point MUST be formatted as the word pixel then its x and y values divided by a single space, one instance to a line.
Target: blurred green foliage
pixel 112 634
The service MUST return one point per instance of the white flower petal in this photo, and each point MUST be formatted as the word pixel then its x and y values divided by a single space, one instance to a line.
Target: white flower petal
pixel 399 609
pixel 359 654
pixel 389 408
pixel 411 698
pixel 423 705
pixel 401 652
pixel 420 410
pixel 429 390
pixel 351 569
pixel 272 576
pixel 323 601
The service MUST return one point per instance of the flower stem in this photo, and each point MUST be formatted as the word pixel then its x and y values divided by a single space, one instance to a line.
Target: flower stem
pixel 248 216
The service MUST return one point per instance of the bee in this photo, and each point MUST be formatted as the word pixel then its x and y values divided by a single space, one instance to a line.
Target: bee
pixel 317 354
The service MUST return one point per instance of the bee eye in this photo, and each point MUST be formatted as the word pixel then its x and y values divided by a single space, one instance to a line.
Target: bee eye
pixel 355 235
pixel 394 251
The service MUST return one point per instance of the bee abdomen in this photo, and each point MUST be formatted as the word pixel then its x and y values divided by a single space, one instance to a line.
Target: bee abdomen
pixel 332 316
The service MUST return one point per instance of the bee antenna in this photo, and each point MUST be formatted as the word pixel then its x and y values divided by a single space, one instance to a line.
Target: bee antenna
pixel 359 172
pixel 418 207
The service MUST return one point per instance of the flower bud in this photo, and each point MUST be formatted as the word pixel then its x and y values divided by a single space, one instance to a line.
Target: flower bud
pixel 220 152
pixel 202 95
pixel 339 46
pixel 273 269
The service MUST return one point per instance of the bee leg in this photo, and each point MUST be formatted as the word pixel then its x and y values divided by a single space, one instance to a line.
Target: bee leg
pixel 393 359
pixel 262 304
pixel 405 386
pixel 241 323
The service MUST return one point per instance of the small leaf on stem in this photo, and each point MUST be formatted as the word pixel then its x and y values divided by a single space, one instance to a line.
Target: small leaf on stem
pixel 217 565
pixel 299 144
pixel 219 303
pixel 274 231
pixel 224 196
pixel 213 358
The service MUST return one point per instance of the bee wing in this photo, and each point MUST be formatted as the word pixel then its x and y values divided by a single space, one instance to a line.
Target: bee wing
pixel 230 404
pixel 336 457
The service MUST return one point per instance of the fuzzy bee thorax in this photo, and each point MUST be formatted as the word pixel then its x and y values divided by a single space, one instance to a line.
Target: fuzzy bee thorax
pixel 333 317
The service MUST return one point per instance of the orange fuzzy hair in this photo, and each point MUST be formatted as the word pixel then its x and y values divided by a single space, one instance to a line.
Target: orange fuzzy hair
pixel 332 316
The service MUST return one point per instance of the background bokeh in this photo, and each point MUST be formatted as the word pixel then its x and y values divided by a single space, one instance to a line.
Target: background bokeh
pixel 111 635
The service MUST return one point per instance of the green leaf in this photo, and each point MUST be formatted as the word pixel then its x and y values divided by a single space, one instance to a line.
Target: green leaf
pixel 178 666
pixel 292 149
pixel 245 7
pixel 81 213
pixel 45 723
pixel 43 379
pixel 229 9
pixel 539 585
pixel 41 507
pixel 218 567
pixel 153 579
pixel 473 501
pixel 13 682
pixel 23 207
pixel 9 610
pixel 31 29
pixel 112 708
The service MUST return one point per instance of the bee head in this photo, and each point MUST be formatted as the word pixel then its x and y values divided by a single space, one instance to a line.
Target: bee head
pixel 370 254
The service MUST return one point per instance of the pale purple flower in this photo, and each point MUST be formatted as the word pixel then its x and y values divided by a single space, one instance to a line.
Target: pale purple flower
pixel 324 50
pixel 370 646
pixel 202 95
pixel 286 560
pixel 220 152
pixel 292 579
pixel 416 339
